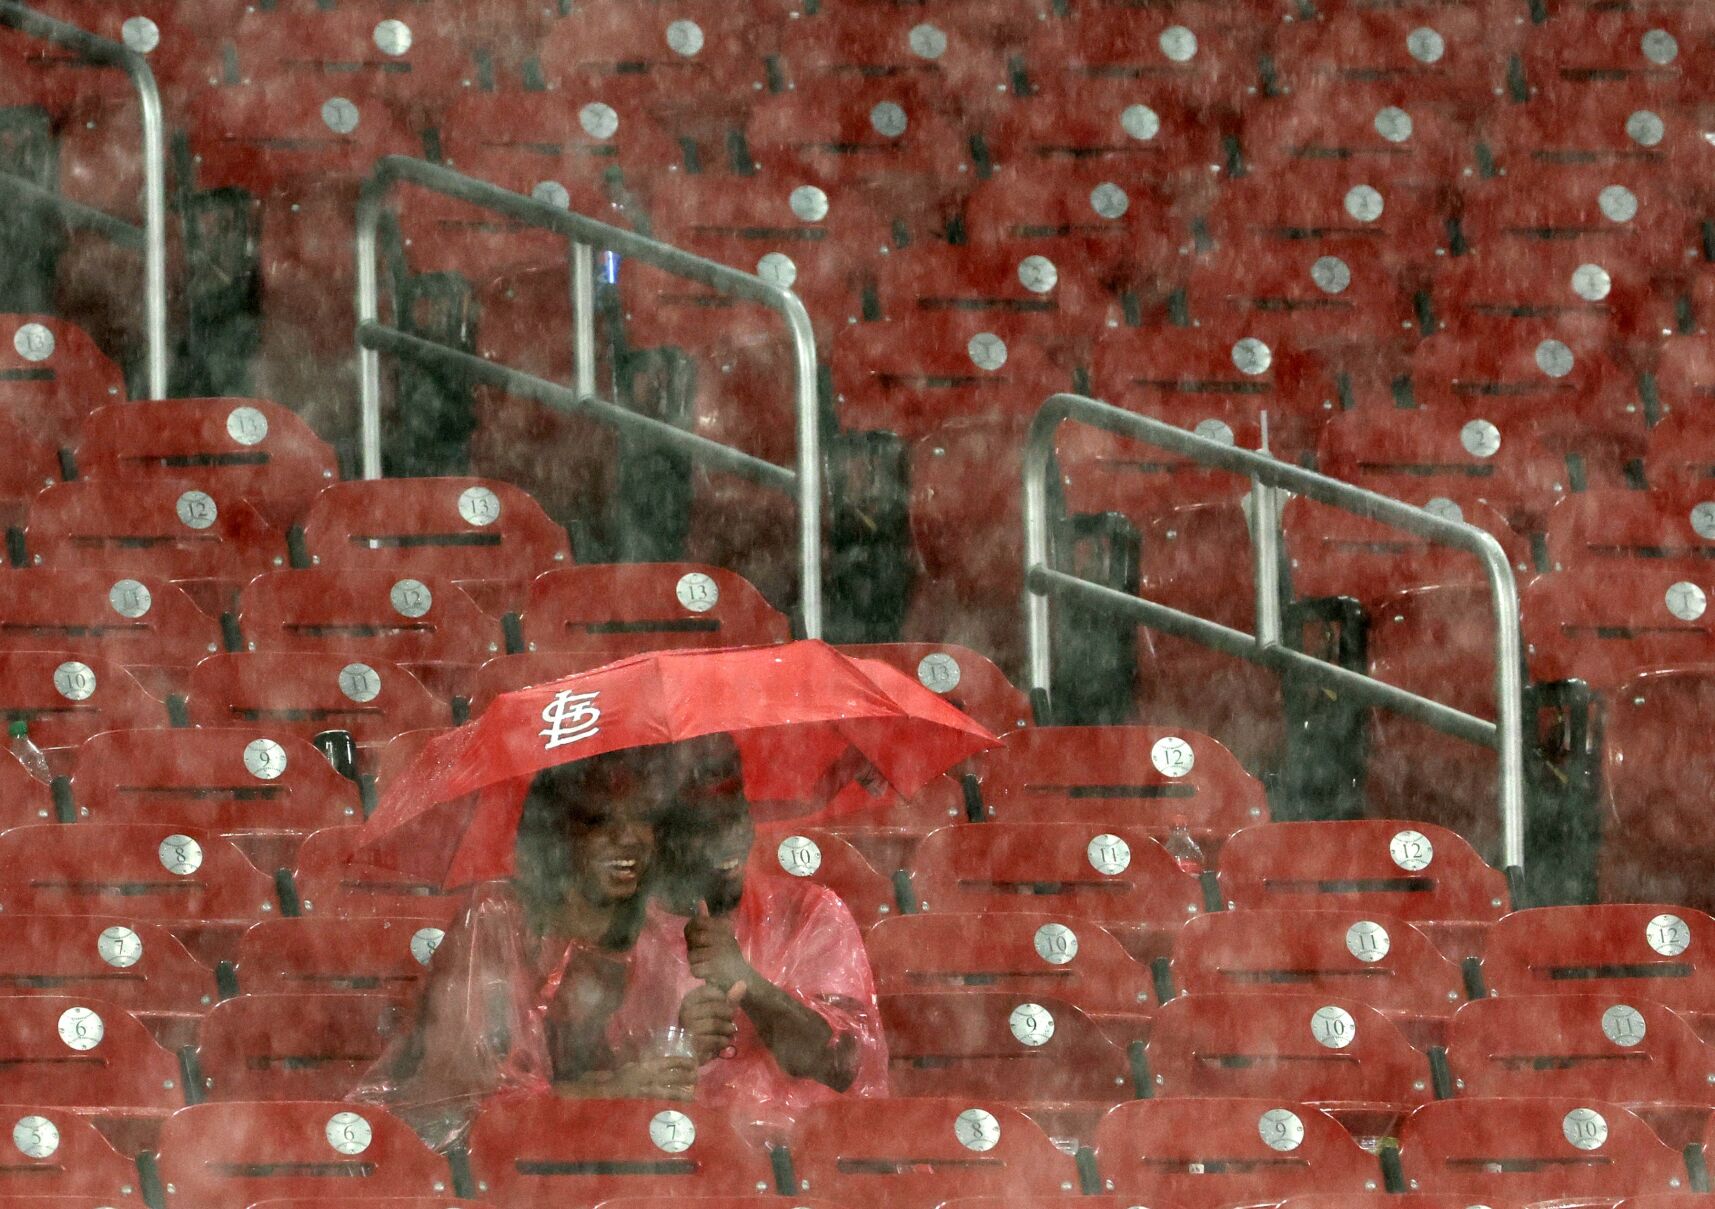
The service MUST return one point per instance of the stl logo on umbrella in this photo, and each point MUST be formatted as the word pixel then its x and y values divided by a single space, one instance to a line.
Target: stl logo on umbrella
pixel 570 717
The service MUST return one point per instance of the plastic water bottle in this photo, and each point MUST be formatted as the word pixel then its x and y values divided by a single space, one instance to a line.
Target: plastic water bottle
pixel 29 755
pixel 1183 849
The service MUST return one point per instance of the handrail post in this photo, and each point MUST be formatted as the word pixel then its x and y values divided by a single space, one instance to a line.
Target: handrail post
pixel 112 54
pixel 1269 477
pixel 369 206
pixel 583 316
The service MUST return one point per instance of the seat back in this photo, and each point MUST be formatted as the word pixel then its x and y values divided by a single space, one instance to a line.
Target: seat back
pixel 129 963
pixel 1283 1046
pixel 294 1047
pixel 1140 777
pixel 1650 771
pixel 62 1155
pixel 249 447
pixel 828 860
pixel 305 692
pixel 616 610
pixel 68 696
pixel 177 529
pixel 1410 871
pixel 1578 1046
pixel 141 622
pixel 910 1152
pixel 545 1150
pixel 231 1155
pixel 410 619
pixel 84 1053
pixel 1027 956
pixel 329 885
pixel 1209 1152
pixel 965 678
pixel 52 373
pixel 1605 629
pixel 1623 950
pixel 1117 875
pixel 1536 1149
pixel 385 955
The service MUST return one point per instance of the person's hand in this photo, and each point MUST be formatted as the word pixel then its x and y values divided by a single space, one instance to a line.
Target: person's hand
pixel 710 1015
pixel 656 1079
pixel 713 949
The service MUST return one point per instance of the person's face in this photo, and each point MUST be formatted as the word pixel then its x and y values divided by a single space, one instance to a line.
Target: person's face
pixel 721 838
pixel 610 851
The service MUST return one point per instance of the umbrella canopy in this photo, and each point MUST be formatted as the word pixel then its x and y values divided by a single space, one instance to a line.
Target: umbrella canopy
pixel 804 717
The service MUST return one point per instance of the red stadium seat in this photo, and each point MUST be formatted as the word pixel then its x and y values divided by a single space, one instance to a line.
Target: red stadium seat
pixel 1387 1200
pixel 1625 128
pixel 1620 51
pixel 1604 632
pixel 62 1156
pixel 1656 848
pixel 547 1150
pixel 293 1047
pixel 368 1202
pixel 386 954
pixel 913 1154
pixel 1683 379
pixel 274 141
pixel 66 697
pixel 1449 58
pixel 148 625
pixel 52 374
pixel 1335 553
pixel 1140 777
pixel 199 882
pixel 305 693
pixel 1513 283
pixel 1168 52
pixel 1639 1054
pixel 181 530
pixel 952 65
pixel 1389 127
pixel 1567 1149
pixel 826 859
pixel 247 447
pixel 426 623
pixel 465 529
pixel 1072 119
pixel 1417 872
pixel 1043 277
pixel 1118 877
pixel 69 1052
pixel 510 672
pixel 1338 1055
pixel 1340 212
pixel 966 679
pixel 232 1155
pixel 1025 956
pixel 1624 950
pixel 1383 962
pixel 134 965
pixel 1205 1153
pixel 1585 532
pixel 1604 211
pixel 611 611
pixel 263 791
pixel 981 1043
pixel 328 885
pixel 709 1202
pixel 33 464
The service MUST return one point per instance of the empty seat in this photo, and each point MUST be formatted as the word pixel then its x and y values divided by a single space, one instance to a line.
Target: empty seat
pixel 1383 962
pixel 1117 876
pixel 1623 950
pixel 464 529
pixel 67 697
pixel 231 1155
pixel 306 692
pixel 1563 1148
pixel 1416 872
pixel 1025 955
pixel 197 881
pixel 1683 379
pixel 1604 632
pixel 177 530
pixel 148 625
pixel 293 1047
pixel 1181 53
pixel 328 884
pixel 964 678
pixel 1337 1054
pixel 1593 528
pixel 610 611
pixel 52 374
pixel 545 1150
pixel 249 447
pixel 1389 127
pixel 1141 777
pixel 828 860
pixel 1622 51
pixel 1605 210
pixel 1447 58
pixel 385 954
pixel 62 1155
pixel 1513 282
pixel 70 1052
pixel 1632 1052
pixel 1213 1152
pixel 263 791
pixel 914 1154
pixel 1345 210
pixel 983 1043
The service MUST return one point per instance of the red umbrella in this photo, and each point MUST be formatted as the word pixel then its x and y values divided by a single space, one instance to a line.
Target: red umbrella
pixel 802 715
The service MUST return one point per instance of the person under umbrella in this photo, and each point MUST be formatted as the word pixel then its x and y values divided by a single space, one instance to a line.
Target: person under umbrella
pixel 524 986
pixel 767 973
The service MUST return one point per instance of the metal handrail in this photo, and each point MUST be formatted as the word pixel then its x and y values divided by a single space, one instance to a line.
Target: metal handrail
pixel 152 238
pixel 586 236
pixel 1505 734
